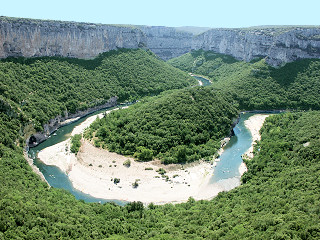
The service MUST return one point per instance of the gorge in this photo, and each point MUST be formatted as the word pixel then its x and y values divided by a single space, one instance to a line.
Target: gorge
pixel 52 72
pixel 35 38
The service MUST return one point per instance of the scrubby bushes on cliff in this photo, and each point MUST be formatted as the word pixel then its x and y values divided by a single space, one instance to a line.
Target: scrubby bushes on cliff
pixel 179 126
pixel 46 87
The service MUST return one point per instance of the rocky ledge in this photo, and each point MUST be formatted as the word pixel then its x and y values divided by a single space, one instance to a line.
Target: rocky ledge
pixel 277 45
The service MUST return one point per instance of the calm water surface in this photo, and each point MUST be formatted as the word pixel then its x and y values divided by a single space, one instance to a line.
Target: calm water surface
pixel 227 167
pixel 230 159
pixel 55 177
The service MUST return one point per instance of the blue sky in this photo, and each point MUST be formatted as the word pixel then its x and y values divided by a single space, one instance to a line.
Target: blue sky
pixel 222 13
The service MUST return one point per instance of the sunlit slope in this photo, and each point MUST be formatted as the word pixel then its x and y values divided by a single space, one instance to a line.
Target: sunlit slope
pixel 257 85
pixel 176 127
pixel 46 87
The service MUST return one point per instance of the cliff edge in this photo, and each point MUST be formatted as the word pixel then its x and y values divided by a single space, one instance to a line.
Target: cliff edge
pixel 21 37
pixel 278 45
pixel 37 38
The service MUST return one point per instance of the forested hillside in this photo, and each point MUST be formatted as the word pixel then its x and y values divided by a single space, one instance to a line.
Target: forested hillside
pixel 257 85
pixel 201 62
pixel 46 87
pixel 280 195
pixel 278 200
pixel 176 127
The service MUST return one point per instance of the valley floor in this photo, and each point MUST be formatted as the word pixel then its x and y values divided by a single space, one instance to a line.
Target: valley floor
pixel 93 172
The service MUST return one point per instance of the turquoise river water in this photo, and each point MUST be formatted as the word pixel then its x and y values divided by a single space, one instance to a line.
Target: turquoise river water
pixel 226 168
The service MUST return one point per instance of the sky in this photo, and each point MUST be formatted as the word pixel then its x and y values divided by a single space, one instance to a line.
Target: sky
pixel 171 13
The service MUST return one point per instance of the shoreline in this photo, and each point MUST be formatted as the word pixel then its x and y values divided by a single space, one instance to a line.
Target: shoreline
pixel 94 170
pixel 254 124
pixel 195 75
pixel 55 123
pixel 35 169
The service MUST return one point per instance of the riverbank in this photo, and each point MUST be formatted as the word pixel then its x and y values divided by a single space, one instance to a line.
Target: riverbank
pixel 34 168
pixel 59 121
pixel 254 124
pixel 200 76
pixel 94 171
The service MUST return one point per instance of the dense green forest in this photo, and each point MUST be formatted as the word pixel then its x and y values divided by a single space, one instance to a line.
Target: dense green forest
pixel 278 200
pixel 279 197
pixel 46 87
pixel 201 62
pixel 176 127
pixel 257 85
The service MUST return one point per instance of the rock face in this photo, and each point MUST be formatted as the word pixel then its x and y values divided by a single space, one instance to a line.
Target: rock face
pixel 167 42
pixel 35 38
pixel 60 121
pixel 278 45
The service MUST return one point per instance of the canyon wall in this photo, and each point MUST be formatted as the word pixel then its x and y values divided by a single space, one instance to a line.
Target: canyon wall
pixel 37 38
pixel 60 121
pixel 277 45
pixel 167 42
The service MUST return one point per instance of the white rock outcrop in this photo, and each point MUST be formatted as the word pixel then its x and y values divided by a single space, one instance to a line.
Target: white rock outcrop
pixel 37 38
pixel 277 45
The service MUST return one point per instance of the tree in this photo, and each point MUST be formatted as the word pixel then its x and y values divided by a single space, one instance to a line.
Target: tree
pixel 144 154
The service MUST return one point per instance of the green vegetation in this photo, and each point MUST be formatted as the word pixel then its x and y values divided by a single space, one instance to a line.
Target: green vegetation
pixel 116 180
pixel 42 22
pixel 75 143
pixel 278 200
pixel 136 183
pixel 44 88
pixel 201 62
pixel 161 171
pixel 257 85
pixel 176 127
pixel 127 163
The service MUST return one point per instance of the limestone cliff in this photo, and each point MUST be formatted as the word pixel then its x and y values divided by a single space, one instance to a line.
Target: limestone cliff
pixel 60 121
pixel 278 45
pixel 35 38
pixel 167 42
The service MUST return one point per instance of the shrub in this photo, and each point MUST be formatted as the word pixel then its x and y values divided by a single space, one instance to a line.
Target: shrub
pixel 75 143
pixel 135 184
pixel 161 171
pixel 144 154
pixel 127 163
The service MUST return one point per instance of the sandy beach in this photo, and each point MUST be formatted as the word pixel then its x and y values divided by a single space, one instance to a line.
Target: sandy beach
pixel 254 124
pixel 93 171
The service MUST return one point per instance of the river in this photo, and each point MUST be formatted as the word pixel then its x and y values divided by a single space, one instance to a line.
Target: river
pixel 230 159
pixel 54 176
pixel 205 82
pixel 226 168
